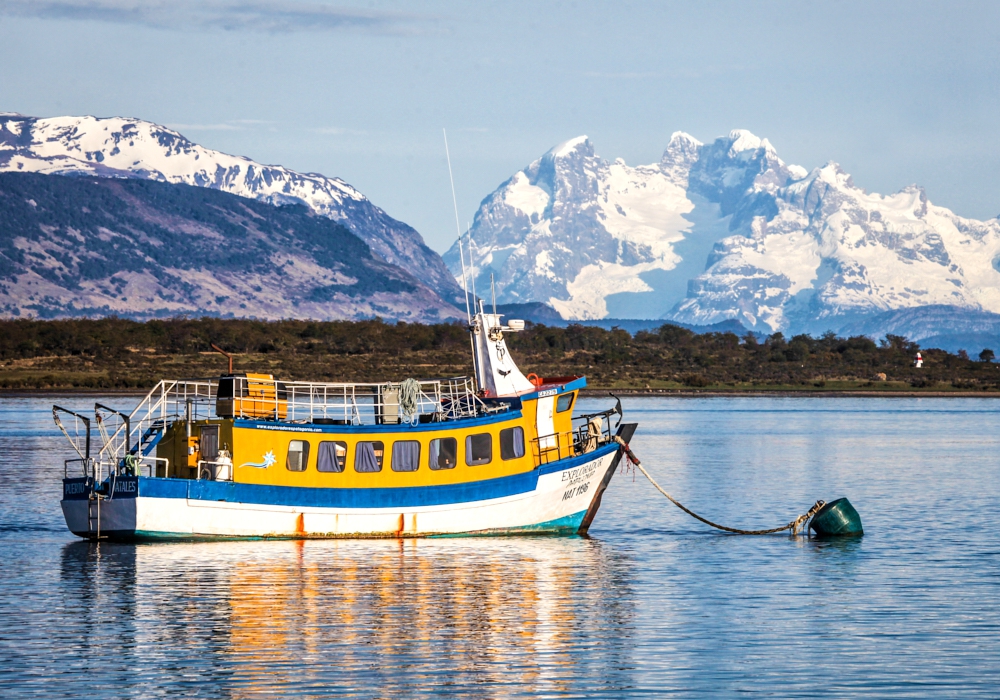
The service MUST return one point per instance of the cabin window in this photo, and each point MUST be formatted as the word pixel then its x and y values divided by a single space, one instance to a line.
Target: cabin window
pixel 332 456
pixel 565 402
pixel 443 453
pixel 478 449
pixel 405 456
pixel 298 455
pixel 368 457
pixel 512 443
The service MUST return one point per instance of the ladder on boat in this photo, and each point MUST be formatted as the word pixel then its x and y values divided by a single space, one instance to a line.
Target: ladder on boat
pixel 150 438
pixel 94 516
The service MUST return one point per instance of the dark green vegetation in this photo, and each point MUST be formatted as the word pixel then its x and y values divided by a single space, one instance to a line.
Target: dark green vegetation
pixel 116 353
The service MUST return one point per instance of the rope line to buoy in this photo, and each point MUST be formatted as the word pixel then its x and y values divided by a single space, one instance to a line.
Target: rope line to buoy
pixel 793 526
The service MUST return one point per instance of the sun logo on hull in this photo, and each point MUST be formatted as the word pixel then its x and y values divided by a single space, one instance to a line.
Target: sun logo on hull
pixel 268 460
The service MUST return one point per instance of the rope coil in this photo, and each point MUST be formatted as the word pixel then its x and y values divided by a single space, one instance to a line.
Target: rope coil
pixel 409 398
pixel 794 525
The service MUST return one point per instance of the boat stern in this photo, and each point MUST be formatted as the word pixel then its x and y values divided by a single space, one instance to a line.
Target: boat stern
pixel 91 514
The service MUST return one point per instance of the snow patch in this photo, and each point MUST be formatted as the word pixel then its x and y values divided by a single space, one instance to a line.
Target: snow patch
pixel 591 287
pixel 679 137
pixel 644 207
pixel 567 147
pixel 797 172
pixel 743 140
pixel 525 197
pixel 543 265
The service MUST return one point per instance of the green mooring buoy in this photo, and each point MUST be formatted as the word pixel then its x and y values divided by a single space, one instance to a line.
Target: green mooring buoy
pixel 837 519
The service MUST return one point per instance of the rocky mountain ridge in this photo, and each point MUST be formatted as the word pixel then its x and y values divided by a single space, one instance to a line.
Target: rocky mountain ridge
pixel 91 247
pixel 725 230
pixel 133 148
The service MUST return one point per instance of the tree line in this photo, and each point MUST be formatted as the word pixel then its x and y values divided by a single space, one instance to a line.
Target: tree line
pixel 114 352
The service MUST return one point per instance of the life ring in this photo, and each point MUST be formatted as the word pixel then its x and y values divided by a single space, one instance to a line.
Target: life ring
pixel 535 379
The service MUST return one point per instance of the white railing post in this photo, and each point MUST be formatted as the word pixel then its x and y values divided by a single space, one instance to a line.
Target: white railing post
pixel 168 399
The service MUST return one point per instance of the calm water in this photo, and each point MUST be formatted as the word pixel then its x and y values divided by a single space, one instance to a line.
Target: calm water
pixel 652 604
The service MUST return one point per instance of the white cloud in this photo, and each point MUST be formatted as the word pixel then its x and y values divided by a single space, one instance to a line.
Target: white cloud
pixel 276 16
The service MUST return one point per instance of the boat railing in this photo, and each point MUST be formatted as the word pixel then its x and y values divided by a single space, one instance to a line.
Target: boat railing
pixel 353 403
pixel 552 447
pixel 152 466
pixel 594 429
pixel 590 432
pixel 99 469
pixel 85 467
pixel 218 470
pixel 128 439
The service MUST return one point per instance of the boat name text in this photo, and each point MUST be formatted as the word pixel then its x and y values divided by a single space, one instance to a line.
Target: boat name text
pixel 580 473
pixel 130 486
pixel 74 488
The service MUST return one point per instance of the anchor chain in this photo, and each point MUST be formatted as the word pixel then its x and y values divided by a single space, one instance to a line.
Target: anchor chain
pixel 794 525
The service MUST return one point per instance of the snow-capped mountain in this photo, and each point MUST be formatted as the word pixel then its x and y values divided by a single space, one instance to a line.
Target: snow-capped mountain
pixel 118 147
pixel 573 230
pixel 723 230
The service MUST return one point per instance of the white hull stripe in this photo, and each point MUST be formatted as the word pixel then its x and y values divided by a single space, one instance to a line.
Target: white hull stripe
pixel 558 503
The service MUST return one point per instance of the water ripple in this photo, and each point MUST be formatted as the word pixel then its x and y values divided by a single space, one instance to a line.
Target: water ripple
pixel 652 604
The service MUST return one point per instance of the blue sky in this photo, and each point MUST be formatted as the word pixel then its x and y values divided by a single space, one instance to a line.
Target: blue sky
pixel 897 92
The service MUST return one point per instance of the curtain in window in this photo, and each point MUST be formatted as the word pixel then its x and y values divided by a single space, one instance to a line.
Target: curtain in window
pixel 443 453
pixel 326 459
pixel 512 443
pixel 478 449
pixel 365 459
pixel 405 456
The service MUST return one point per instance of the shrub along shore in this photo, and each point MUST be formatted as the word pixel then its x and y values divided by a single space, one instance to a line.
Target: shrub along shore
pixel 112 353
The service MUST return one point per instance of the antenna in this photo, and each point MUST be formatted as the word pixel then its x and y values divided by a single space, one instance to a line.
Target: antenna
pixel 493 291
pixel 465 286
pixel 472 267
pixel 458 226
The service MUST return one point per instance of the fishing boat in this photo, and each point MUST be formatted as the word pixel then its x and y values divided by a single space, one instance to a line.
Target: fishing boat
pixel 248 455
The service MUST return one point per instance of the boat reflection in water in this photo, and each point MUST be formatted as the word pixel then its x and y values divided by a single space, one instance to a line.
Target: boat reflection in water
pixel 521 615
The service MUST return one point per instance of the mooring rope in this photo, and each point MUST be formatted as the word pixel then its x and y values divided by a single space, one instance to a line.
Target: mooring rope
pixel 793 526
